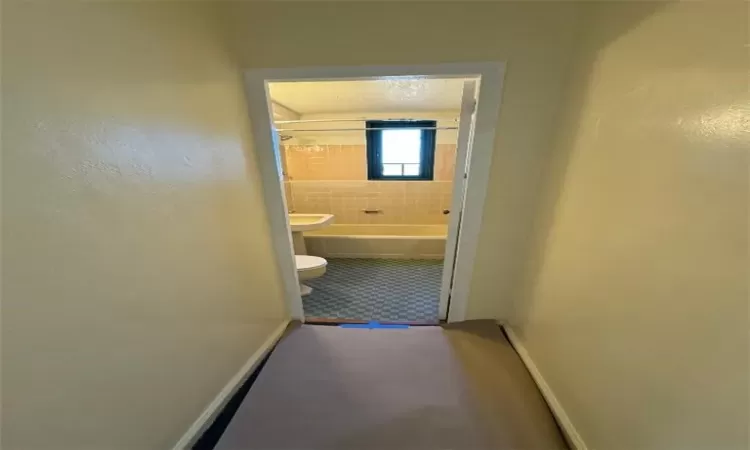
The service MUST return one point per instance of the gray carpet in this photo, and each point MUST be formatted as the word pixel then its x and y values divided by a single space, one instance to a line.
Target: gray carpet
pixel 330 388
pixel 385 290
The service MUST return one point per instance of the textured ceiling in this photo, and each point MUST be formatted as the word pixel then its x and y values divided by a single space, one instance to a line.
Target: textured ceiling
pixel 386 95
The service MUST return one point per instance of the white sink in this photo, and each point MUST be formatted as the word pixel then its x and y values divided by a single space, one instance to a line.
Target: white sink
pixel 309 222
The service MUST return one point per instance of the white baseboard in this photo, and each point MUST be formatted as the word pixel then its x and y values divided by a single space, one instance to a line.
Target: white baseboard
pixel 569 431
pixel 214 408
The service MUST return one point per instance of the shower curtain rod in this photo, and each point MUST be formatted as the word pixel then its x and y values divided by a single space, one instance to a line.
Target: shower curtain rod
pixel 348 120
pixel 361 129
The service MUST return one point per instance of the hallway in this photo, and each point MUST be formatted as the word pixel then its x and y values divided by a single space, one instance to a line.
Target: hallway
pixel 454 387
pixel 145 262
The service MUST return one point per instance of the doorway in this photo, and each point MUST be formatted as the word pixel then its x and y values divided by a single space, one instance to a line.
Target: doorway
pixel 275 124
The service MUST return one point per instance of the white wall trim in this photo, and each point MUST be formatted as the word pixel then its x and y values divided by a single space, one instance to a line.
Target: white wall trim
pixel 217 404
pixel 277 211
pixel 464 141
pixel 569 431
pixel 489 99
pixel 491 76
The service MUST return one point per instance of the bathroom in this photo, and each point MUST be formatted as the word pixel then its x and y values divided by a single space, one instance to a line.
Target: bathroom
pixel 372 162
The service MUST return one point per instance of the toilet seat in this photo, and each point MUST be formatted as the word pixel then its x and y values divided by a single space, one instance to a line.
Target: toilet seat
pixel 306 263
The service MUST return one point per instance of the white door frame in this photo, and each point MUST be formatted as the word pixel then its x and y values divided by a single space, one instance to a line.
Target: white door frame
pixel 490 76
pixel 465 136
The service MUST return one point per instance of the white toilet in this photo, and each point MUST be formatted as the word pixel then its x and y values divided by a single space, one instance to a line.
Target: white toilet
pixel 309 267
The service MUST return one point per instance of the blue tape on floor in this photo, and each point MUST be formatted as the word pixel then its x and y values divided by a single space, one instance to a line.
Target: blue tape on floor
pixel 371 325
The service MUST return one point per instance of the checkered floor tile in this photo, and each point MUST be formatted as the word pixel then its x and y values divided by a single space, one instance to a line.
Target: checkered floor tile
pixel 384 290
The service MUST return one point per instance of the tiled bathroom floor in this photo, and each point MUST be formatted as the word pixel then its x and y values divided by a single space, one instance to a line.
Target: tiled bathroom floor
pixel 385 290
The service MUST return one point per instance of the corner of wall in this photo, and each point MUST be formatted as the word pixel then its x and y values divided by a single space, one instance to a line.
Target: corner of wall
pixel 572 437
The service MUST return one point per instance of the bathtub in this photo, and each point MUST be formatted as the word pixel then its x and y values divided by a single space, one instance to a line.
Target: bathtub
pixel 378 241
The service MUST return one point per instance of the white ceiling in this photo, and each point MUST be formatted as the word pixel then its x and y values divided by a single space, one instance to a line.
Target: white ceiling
pixel 386 95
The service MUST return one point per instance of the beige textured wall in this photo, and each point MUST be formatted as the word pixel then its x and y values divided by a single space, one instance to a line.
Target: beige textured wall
pixel 138 275
pixel 636 305
pixel 536 40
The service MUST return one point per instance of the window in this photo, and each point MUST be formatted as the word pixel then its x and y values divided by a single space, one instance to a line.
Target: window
pixel 400 150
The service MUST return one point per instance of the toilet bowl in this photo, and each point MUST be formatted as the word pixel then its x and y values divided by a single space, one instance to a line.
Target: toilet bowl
pixel 309 267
